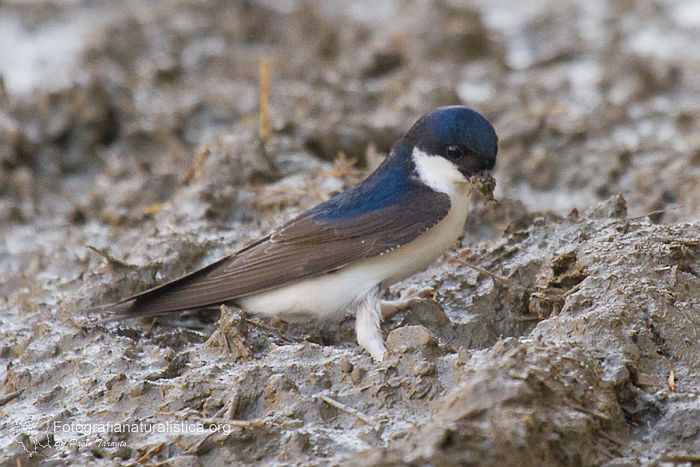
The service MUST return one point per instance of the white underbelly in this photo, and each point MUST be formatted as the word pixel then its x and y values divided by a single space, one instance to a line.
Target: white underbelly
pixel 329 294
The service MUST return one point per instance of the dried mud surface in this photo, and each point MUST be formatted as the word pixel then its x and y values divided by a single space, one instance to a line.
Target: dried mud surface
pixel 564 327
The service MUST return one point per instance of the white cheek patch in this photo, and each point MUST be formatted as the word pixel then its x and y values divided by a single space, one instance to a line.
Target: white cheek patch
pixel 437 172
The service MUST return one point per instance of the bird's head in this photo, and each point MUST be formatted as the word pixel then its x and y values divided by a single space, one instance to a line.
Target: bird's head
pixel 451 142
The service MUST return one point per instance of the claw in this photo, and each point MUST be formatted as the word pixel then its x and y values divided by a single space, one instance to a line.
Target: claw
pixel 409 299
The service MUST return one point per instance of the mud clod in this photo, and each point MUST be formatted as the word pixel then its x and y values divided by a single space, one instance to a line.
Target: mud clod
pixel 564 328
pixel 409 338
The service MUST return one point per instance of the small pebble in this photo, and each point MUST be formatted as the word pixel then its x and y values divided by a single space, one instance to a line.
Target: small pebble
pixel 137 389
pixel 424 368
pixel 357 375
pixel 410 337
pixel 345 365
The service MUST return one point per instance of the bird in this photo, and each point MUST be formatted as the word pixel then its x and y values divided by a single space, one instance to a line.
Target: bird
pixel 342 254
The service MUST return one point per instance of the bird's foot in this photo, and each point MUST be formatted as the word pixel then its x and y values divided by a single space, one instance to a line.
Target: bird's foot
pixel 409 299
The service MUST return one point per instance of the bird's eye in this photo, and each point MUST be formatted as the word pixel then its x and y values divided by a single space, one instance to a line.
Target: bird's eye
pixel 454 152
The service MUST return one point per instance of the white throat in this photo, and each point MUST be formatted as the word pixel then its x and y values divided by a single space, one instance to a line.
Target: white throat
pixel 437 172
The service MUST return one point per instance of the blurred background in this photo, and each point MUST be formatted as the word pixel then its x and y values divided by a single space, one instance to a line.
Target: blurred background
pixel 105 106
pixel 131 153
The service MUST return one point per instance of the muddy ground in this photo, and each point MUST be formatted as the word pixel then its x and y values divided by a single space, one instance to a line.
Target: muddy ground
pixel 564 329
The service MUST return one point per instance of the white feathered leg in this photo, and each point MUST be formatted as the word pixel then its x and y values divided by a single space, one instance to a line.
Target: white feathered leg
pixel 368 324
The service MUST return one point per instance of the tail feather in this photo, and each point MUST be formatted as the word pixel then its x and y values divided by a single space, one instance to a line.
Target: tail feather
pixel 168 298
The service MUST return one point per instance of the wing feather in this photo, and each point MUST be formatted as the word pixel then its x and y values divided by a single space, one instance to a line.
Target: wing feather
pixel 315 243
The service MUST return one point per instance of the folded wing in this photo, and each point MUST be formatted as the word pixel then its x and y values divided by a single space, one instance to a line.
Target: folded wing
pixel 315 243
